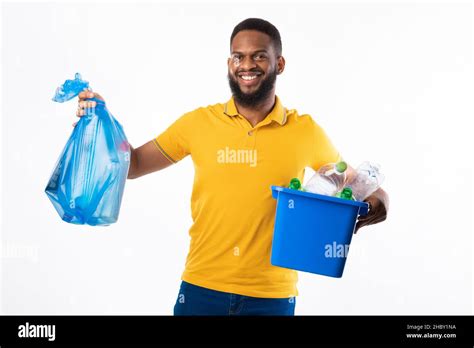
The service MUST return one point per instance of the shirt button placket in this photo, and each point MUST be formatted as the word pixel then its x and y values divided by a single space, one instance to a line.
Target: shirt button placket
pixel 252 134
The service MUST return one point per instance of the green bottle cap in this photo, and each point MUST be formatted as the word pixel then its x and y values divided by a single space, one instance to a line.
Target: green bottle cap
pixel 295 184
pixel 341 166
pixel 346 193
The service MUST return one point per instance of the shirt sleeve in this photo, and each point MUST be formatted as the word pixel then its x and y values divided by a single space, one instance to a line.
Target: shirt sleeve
pixel 175 142
pixel 323 150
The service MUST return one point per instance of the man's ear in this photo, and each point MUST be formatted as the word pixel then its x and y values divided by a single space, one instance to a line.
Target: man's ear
pixel 280 64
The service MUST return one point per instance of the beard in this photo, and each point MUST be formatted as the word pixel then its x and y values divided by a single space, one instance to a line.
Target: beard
pixel 255 98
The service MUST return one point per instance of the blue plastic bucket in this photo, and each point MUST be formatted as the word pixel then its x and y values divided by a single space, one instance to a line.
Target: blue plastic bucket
pixel 313 232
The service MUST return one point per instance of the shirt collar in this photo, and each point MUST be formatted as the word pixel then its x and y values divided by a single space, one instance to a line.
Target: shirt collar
pixel 278 113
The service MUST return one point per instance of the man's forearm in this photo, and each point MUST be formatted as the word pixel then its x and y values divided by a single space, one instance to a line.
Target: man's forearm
pixel 133 164
pixel 146 159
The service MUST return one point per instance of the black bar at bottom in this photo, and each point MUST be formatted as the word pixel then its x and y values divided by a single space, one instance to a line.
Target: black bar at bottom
pixel 396 330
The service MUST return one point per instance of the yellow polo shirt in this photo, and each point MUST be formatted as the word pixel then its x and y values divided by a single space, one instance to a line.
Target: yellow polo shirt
pixel 231 204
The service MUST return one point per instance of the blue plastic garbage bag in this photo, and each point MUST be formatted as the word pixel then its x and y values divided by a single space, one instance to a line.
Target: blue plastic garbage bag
pixel 88 181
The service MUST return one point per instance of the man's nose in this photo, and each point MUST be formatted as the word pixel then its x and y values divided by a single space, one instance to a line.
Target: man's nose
pixel 247 63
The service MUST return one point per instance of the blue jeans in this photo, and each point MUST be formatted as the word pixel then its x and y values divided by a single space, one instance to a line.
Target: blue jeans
pixel 196 300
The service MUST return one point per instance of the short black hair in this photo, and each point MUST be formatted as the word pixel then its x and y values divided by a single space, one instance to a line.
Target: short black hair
pixel 262 26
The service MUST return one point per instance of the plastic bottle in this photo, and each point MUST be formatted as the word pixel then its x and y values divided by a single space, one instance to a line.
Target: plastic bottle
pixel 367 180
pixel 328 180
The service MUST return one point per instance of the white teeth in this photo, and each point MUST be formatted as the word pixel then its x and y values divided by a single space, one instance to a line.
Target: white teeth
pixel 248 78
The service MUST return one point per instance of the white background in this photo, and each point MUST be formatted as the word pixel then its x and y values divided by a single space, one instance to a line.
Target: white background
pixel 389 82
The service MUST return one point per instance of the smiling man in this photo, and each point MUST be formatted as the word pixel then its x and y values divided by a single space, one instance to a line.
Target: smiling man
pixel 239 149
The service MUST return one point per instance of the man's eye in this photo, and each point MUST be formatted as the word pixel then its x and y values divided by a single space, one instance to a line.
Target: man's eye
pixel 260 57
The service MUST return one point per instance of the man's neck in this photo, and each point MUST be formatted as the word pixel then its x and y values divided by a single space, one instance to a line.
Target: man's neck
pixel 257 113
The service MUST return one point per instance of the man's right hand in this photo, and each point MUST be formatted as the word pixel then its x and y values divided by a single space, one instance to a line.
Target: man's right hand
pixel 84 105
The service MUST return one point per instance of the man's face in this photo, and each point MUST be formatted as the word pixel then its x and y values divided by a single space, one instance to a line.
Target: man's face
pixel 253 67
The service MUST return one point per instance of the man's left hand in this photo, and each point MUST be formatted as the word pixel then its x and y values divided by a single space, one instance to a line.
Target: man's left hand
pixel 377 212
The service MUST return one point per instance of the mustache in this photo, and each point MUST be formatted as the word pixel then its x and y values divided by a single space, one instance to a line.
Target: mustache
pixel 255 70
